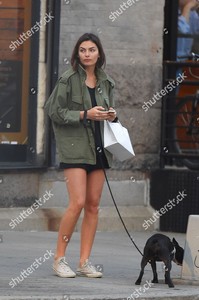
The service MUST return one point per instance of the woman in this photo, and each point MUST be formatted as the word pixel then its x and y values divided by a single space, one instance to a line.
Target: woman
pixel 80 102
pixel 188 23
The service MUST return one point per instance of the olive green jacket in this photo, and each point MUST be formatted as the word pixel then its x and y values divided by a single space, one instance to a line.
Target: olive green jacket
pixel 75 143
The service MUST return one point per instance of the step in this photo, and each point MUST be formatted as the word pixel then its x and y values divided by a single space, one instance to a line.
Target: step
pixel 43 219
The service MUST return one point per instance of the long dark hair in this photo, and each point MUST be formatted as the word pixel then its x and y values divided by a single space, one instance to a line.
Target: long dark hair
pixel 101 62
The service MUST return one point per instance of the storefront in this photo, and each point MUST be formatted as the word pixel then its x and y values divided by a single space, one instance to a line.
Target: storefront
pixel 27 60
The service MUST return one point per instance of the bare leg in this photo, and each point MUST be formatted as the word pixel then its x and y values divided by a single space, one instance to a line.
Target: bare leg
pixel 76 185
pixel 95 182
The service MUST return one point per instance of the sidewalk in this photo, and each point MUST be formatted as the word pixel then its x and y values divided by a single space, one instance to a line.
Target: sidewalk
pixel 113 252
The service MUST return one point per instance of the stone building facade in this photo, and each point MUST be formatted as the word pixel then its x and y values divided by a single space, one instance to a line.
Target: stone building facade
pixel 132 36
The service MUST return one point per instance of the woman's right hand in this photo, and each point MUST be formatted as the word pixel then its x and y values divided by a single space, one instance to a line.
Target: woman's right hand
pixel 97 113
pixel 193 4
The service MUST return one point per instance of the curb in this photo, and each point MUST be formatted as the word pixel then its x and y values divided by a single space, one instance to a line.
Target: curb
pixel 191 297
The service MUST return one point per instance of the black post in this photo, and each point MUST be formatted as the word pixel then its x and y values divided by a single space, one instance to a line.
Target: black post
pixel 52 60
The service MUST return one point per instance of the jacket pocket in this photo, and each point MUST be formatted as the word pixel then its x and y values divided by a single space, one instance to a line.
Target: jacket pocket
pixel 64 131
pixel 75 149
pixel 76 103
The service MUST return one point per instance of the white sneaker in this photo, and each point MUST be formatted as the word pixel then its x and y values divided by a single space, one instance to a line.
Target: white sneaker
pixel 88 270
pixel 62 268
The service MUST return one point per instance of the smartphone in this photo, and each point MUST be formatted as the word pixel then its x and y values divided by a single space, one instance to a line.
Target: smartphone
pixel 111 111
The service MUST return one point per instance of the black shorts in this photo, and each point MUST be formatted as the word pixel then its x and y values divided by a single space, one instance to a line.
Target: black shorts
pixel 101 163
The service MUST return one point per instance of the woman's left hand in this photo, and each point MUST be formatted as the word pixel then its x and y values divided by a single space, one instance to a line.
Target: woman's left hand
pixel 111 114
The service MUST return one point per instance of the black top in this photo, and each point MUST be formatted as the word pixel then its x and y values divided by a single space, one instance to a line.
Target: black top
pixel 98 140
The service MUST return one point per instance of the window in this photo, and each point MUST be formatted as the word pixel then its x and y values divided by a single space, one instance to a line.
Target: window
pixel 17 91
pixel 180 106
pixel 14 72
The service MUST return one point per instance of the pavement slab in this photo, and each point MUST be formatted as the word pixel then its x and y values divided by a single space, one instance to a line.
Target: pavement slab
pixel 112 252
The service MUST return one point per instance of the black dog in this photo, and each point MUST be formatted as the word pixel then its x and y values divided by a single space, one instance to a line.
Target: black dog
pixel 160 248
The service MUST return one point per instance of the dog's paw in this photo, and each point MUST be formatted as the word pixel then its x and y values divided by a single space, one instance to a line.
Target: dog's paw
pixel 170 284
pixel 155 281
pixel 137 282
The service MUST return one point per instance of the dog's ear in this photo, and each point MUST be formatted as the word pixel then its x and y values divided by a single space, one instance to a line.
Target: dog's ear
pixel 179 252
pixel 175 243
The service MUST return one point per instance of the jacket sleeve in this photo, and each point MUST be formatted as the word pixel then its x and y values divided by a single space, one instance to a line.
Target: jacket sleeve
pixel 183 26
pixel 189 28
pixel 194 22
pixel 57 106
